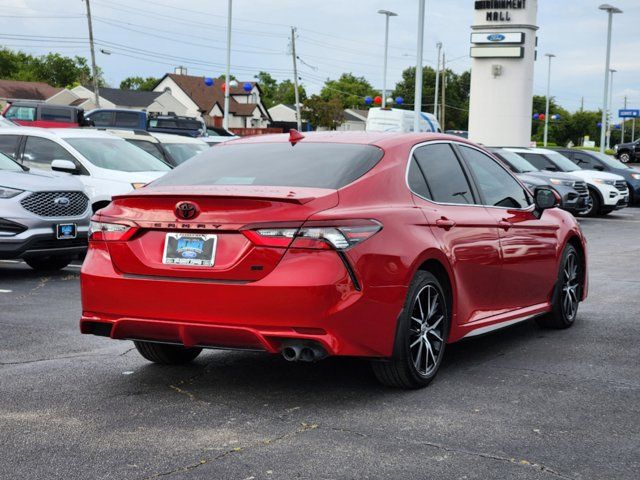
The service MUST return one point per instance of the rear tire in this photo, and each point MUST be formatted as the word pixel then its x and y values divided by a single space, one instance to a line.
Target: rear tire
pixel 48 264
pixel 166 354
pixel 422 331
pixel 567 292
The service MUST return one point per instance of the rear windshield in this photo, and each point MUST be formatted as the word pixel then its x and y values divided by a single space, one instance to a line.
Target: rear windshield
pixel 175 123
pixel 315 165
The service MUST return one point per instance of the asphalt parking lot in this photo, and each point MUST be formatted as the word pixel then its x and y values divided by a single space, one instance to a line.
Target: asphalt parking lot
pixel 522 403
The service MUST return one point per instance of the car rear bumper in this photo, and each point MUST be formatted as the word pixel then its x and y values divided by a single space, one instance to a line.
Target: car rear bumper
pixel 309 296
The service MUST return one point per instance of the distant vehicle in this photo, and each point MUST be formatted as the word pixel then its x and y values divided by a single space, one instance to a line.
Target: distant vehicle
pixel 218 135
pixel 187 126
pixel 607 192
pixel 5 122
pixel 118 118
pixel 398 120
pixel 44 218
pixel 572 190
pixel 628 152
pixel 171 149
pixel 589 160
pixel 139 120
pixel 44 115
pixel 105 164
pixel 458 133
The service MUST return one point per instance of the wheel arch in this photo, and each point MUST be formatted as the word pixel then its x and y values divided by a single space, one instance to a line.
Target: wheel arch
pixel 576 243
pixel 597 192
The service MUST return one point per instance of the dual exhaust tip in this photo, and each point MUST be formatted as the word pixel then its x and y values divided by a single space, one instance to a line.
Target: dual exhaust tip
pixel 303 352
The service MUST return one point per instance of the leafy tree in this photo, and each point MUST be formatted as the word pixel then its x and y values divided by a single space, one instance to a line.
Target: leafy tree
pixel 274 93
pixel 323 113
pixel 286 93
pixel 268 85
pixel 349 89
pixel 139 83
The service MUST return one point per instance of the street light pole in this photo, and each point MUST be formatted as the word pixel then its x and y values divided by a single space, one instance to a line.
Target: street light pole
pixel 435 98
pixel 94 67
pixel 387 14
pixel 546 113
pixel 610 11
pixel 417 102
pixel 610 113
pixel 227 75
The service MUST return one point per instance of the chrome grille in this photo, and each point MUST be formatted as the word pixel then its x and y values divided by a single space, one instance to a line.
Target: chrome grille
pixel 621 185
pixel 581 188
pixel 56 204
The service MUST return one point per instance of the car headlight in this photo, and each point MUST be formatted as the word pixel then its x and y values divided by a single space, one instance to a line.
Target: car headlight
pixel 635 176
pixel 601 181
pixel 6 192
pixel 615 148
pixel 566 183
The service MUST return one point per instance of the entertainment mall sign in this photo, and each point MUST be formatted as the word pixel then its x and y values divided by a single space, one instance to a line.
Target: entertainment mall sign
pixel 503 52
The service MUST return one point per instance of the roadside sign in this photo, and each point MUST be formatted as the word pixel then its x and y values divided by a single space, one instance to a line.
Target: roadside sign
pixel 629 113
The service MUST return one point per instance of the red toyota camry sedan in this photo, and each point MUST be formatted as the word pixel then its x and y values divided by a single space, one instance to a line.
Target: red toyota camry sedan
pixel 383 246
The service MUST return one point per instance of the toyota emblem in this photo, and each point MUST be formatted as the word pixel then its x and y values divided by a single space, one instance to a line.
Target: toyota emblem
pixel 186 210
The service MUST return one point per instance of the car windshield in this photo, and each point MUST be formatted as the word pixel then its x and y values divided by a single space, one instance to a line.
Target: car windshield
pixel 515 161
pixel 316 165
pixel 7 164
pixel 550 161
pixel 181 152
pixel 116 154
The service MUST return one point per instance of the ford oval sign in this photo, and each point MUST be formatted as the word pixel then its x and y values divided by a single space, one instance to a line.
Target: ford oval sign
pixel 496 37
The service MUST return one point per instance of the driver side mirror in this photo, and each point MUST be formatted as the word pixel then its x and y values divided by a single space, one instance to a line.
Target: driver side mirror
pixel 546 198
pixel 66 166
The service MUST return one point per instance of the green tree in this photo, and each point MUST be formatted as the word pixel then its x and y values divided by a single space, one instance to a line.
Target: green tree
pixel 323 113
pixel 349 89
pixel 274 93
pixel 286 93
pixel 139 83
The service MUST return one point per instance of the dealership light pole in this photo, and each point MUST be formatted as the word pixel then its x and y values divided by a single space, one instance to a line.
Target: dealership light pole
pixel 610 115
pixel 417 101
pixel 387 14
pixel 227 75
pixel 94 67
pixel 610 11
pixel 435 97
pixel 546 112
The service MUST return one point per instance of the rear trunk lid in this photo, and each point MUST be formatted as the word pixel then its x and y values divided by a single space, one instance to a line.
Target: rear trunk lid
pixel 222 211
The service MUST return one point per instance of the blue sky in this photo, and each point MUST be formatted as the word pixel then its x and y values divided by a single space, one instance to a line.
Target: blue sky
pixel 150 37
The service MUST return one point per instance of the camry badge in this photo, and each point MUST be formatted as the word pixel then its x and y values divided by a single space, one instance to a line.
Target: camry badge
pixel 186 210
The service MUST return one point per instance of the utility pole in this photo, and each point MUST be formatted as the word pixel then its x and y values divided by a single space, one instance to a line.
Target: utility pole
pixel 417 102
pixel 387 14
pixel 295 77
pixel 444 93
pixel 603 130
pixel 624 120
pixel 633 129
pixel 435 98
pixel 546 113
pixel 227 75
pixel 582 104
pixel 610 116
pixel 94 67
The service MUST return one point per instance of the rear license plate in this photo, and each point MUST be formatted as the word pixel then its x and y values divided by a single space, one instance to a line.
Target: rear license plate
pixel 66 231
pixel 190 249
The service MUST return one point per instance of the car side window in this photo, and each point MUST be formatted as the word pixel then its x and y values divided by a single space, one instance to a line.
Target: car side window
pixel 54 114
pixel 40 152
pixel 27 114
pixel 9 144
pixel 127 119
pixel 539 161
pixel 148 147
pixel 584 161
pixel 416 180
pixel 102 119
pixel 445 177
pixel 498 187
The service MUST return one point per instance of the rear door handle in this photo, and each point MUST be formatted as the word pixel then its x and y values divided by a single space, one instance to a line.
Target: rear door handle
pixel 505 224
pixel 445 223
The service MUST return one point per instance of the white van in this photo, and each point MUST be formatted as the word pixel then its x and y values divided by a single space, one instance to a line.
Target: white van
pixel 398 120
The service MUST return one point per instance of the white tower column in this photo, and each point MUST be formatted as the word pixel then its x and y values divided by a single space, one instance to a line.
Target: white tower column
pixel 503 52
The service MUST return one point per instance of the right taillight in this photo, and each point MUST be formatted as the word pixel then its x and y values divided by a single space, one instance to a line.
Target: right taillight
pixel 316 235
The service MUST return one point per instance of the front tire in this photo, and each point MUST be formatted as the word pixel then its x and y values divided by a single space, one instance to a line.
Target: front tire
pixel 594 205
pixel 567 292
pixel 625 157
pixel 48 264
pixel 423 328
pixel 166 354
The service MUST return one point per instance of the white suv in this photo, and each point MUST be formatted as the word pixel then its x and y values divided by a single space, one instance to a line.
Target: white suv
pixel 105 164
pixel 607 191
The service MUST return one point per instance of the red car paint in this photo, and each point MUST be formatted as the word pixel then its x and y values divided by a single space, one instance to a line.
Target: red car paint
pixel 502 264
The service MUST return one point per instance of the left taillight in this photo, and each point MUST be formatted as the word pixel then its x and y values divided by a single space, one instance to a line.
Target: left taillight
pixel 315 235
pixel 109 232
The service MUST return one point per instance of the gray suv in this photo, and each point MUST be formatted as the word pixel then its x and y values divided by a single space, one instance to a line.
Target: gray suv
pixel 44 218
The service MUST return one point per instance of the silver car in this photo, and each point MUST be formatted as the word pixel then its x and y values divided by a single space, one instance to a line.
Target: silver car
pixel 44 218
